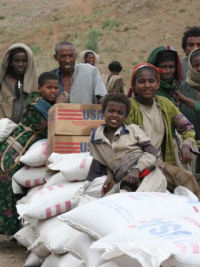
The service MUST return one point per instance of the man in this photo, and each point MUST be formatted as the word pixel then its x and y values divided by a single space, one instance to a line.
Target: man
pixel 78 83
pixel 190 41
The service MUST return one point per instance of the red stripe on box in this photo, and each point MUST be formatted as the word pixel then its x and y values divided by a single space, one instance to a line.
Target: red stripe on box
pixel 58 208
pixel 70 118
pixel 68 205
pixel 69 110
pixel 27 183
pixel 69 114
pixel 67 151
pixel 67 143
pixel 83 163
pixel 48 212
pixel 67 147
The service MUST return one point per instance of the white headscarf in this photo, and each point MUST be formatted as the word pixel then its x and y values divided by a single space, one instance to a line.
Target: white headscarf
pixel 30 83
pixel 193 77
pixel 82 56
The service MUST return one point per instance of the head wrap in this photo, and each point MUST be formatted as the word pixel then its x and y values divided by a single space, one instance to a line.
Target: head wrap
pixel 136 68
pixel 82 56
pixel 30 83
pixel 165 87
pixel 193 77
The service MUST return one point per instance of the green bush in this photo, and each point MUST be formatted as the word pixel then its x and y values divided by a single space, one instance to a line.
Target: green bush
pixel 92 42
pixel 2 17
pixel 110 23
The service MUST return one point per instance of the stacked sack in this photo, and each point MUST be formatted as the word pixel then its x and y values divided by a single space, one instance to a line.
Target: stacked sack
pixel 67 223
pixel 52 192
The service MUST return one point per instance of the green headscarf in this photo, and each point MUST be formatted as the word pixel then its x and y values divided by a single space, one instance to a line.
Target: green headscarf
pixel 166 89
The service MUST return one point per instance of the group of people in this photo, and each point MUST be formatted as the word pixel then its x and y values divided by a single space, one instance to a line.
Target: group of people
pixel 150 138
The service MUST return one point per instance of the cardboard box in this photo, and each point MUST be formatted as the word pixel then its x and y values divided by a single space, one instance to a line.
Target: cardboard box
pixel 74 119
pixel 68 144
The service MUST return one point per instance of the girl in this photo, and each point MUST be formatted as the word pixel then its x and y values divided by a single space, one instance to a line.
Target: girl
pixel 90 57
pixel 18 78
pixel 114 81
pixel 167 58
pixel 157 115
pixel 189 96
pixel 32 127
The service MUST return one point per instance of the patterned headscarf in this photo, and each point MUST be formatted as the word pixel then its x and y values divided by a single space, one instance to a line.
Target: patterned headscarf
pixel 136 68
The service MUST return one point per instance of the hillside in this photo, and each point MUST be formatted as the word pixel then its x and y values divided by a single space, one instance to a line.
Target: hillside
pixel 128 29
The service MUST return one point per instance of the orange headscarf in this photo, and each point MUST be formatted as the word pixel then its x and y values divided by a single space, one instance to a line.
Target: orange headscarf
pixel 139 66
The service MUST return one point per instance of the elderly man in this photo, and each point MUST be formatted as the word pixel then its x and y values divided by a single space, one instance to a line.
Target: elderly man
pixel 78 83
pixel 190 41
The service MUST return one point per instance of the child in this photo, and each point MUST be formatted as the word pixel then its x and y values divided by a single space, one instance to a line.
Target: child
pixel 189 95
pixel 32 127
pixel 123 150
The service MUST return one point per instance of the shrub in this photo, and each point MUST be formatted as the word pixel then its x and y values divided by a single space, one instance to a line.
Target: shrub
pixel 92 42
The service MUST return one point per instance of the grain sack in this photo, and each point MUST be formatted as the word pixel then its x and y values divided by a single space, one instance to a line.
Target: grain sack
pixel 36 155
pixel 29 177
pixel 54 235
pixel 33 260
pixel 167 242
pixel 50 201
pixel 105 215
pixel 6 128
pixel 30 193
pixel 74 167
pixel 63 261
pixel 57 178
pixel 26 236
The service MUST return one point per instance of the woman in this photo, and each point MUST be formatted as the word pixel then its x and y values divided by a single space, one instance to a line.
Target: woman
pixel 189 96
pixel 114 81
pixel 90 57
pixel 18 78
pixel 157 115
pixel 33 127
pixel 167 58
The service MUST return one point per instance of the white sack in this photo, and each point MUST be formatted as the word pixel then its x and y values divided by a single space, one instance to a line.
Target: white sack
pixel 50 201
pixel 74 167
pixel 26 236
pixel 36 155
pixel 54 235
pixel 167 242
pixel 103 216
pixel 30 193
pixel 33 260
pixel 57 178
pixel 29 177
pixel 6 128
pixel 63 261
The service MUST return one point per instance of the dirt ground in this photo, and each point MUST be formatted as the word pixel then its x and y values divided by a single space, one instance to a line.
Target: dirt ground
pixel 11 254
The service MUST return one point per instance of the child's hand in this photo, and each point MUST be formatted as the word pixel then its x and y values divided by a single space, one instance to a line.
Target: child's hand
pixel 108 185
pixel 133 176
pixel 186 154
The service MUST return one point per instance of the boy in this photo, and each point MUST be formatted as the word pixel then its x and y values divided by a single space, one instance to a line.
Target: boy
pixel 32 127
pixel 123 152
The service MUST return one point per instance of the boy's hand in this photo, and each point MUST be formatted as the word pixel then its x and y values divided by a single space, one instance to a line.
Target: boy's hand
pixel 186 154
pixel 62 98
pixel 133 176
pixel 108 185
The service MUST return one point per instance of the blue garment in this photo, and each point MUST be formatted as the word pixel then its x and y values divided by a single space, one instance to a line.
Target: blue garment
pixel 43 107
